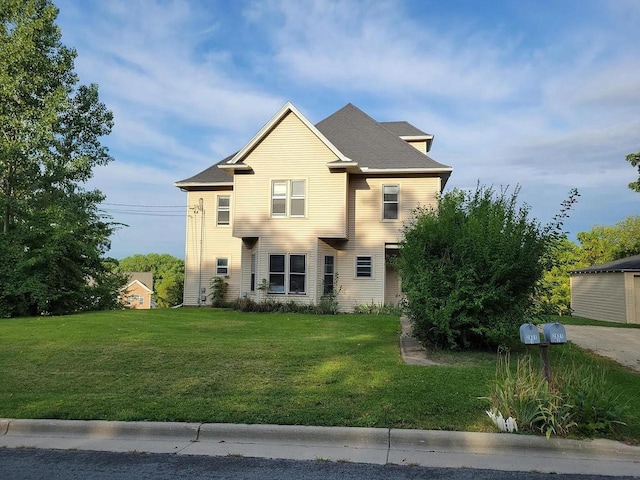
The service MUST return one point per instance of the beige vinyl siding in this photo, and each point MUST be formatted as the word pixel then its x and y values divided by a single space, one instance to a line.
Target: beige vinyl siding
pixel 291 152
pixel 599 296
pixel 392 293
pixel 217 242
pixel 635 317
pixel 369 233
pixel 420 145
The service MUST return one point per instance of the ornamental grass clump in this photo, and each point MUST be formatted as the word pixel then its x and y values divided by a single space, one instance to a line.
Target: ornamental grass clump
pixel 579 401
pixel 595 406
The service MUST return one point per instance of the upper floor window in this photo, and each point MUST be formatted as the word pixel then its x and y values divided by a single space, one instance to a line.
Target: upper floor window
pixel 223 210
pixel 288 198
pixel 279 198
pixel 390 196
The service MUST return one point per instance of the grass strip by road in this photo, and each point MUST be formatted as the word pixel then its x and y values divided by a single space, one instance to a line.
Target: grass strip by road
pixel 208 365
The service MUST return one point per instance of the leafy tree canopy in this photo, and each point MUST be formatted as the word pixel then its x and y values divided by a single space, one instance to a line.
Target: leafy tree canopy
pixel 605 243
pixel 634 160
pixel 53 237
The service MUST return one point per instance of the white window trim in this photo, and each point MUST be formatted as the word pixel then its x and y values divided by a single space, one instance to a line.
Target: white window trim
pixel 226 209
pixel 288 197
pixel 287 273
pixel 355 267
pixel 397 219
pixel 228 267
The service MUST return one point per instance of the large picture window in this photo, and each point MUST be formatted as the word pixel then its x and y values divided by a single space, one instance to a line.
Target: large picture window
pixel 390 196
pixel 287 274
pixel 288 198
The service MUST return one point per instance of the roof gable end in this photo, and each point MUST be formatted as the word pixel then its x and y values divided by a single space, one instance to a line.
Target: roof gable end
pixel 236 161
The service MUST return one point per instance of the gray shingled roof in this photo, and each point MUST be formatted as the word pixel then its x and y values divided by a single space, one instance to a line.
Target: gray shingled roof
pixel 404 129
pixel 362 139
pixel 629 264
pixel 146 278
pixel 213 174
pixel 372 144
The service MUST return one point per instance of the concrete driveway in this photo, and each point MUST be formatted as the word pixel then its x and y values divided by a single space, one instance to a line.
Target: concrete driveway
pixel 619 344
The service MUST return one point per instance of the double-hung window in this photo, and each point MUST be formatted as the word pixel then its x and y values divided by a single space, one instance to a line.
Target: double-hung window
pixel 223 210
pixel 288 198
pixel 222 267
pixel 287 274
pixel 297 199
pixel 364 266
pixel 390 201
pixel 277 273
pixel 297 274
pixel 279 198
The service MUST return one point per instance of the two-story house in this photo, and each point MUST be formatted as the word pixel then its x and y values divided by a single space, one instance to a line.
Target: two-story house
pixel 302 207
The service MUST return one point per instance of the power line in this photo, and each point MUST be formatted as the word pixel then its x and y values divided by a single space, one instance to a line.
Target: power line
pixel 142 206
pixel 146 214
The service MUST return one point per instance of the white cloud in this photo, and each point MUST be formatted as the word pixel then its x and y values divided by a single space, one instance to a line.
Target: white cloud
pixel 547 107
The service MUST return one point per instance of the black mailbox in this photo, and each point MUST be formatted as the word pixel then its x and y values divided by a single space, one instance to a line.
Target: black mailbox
pixel 529 334
pixel 554 333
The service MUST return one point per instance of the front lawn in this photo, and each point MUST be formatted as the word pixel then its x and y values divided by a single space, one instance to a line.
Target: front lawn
pixel 207 365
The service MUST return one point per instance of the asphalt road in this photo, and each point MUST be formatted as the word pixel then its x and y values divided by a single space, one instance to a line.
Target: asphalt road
pixel 36 464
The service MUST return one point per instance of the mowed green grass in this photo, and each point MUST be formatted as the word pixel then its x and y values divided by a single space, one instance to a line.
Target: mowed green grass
pixel 208 365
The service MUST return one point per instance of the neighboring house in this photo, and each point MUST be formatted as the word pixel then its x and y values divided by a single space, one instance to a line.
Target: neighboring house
pixel 304 207
pixel 608 292
pixel 138 293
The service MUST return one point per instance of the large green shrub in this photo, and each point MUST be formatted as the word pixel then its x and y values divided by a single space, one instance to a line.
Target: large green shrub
pixel 469 268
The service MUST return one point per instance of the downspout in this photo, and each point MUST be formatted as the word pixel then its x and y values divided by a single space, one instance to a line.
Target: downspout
pixel 200 207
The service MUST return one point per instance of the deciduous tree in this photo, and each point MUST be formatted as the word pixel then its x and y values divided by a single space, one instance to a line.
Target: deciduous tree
pixel 53 237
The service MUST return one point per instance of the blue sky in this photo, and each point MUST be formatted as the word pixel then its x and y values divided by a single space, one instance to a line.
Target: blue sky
pixel 541 94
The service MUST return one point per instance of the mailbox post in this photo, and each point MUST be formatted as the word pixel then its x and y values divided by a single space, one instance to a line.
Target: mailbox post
pixel 554 333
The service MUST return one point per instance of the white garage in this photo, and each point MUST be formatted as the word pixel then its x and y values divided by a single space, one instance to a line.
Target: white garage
pixel 609 292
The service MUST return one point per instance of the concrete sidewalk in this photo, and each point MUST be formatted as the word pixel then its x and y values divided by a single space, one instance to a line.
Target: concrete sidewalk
pixel 362 445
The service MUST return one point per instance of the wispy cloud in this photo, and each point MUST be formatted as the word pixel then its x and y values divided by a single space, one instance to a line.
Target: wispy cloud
pixel 548 98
